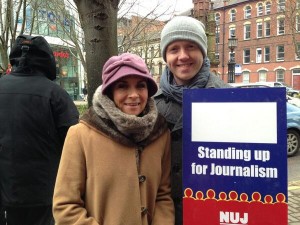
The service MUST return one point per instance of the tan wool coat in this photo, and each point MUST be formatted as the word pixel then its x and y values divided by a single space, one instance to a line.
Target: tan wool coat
pixel 100 181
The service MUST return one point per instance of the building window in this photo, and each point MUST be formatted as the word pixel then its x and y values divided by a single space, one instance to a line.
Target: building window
pixel 297 23
pixel 267 28
pixel 217 18
pixel 280 53
pixel 246 56
pixel 281 6
pixel 297 53
pixel 268 8
pixel 232 15
pixel 296 72
pixel 259 30
pixel 247 31
pixel 247 12
pixel 217 55
pixel 280 75
pixel 152 52
pixel 260 9
pixel 217 35
pixel 280 26
pixel 262 76
pixel 267 54
pixel 258 55
pixel 246 77
pixel 231 31
pixel 160 66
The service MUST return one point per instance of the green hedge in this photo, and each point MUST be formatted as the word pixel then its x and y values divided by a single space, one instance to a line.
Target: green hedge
pixel 82 108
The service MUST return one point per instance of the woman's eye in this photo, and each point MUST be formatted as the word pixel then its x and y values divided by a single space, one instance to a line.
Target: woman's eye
pixel 142 85
pixel 121 86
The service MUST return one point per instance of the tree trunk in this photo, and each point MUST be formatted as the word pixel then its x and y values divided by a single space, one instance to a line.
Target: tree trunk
pixel 99 23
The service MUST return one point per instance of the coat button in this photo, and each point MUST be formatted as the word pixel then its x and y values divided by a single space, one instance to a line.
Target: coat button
pixel 142 178
pixel 144 211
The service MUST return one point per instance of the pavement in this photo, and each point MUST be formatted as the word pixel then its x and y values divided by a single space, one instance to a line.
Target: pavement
pixel 294 203
pixel 293 194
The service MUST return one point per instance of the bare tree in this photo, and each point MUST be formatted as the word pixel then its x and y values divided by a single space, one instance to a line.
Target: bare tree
pixel 292 20
pixel 99 23
pixel 12 15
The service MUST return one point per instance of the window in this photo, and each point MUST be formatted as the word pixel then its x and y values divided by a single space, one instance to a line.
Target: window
pixel 217 35
pixel 280 26
pixel 297 53
pixel 152 52
pixel 260 9
pixel 246 56
pixel 217 55
pixel 268 8
pixel 259 30
pixel 232 15
pixel 247 12
pixel 160 66
pixel 217 18
pixel 280 75
pixel 247 31
pixel 281 5
pixel 246 77
pixel 297 23
pixel 231 31
pixel 258 55
pixel 262 76
pixel 280 53
pixel 267 54
pixel 267 28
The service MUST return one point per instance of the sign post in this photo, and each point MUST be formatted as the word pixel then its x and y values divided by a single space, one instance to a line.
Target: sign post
pixel 235 156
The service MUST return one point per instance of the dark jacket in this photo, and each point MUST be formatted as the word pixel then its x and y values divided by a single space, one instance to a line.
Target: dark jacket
pixel 35 114
pixel 172 111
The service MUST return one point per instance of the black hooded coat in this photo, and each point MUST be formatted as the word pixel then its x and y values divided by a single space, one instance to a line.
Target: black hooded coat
pixel 35 114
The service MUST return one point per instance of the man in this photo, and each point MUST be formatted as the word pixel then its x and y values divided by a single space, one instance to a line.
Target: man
pixel 35 115
pixel 184 49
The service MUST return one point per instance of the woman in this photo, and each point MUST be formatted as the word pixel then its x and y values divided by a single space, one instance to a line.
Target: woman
pixel 115 165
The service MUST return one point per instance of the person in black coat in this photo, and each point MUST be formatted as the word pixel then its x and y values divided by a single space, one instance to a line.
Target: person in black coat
pixel 35 115
pixel 184 49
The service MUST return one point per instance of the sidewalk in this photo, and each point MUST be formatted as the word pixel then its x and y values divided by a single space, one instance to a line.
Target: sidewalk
pixel 294 202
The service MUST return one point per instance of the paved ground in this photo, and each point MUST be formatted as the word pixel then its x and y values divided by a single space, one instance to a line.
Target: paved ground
pixel 294 203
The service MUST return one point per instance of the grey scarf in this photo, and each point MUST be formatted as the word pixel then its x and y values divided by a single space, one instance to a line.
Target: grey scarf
pixel 137 128
pixel 174 91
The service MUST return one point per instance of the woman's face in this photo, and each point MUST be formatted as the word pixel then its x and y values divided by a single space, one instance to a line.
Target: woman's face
pixel 130 94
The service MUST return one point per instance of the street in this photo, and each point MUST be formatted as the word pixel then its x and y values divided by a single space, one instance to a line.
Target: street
pixel 294 168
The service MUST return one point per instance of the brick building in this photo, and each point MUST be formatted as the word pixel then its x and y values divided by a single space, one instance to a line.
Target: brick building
pixel 268 33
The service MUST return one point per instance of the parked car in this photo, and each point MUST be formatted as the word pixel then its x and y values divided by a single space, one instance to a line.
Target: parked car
pixel 293 129
pixel 292 92
pixel 293 101
pixel 293 118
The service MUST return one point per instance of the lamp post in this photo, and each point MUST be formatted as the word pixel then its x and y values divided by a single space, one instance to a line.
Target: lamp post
pixel 232 44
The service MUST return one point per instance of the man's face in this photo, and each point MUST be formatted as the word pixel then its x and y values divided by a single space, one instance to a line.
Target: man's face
pixel 184 59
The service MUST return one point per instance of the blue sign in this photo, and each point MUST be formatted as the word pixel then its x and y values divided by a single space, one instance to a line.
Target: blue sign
pixel 235 156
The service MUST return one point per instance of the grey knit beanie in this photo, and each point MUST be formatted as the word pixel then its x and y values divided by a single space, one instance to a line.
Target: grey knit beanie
pixel 183 28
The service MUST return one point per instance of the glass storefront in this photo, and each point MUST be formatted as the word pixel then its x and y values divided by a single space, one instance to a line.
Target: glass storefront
pixel 67 75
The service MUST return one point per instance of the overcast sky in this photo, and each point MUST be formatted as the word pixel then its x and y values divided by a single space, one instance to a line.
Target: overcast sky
pixel 143 7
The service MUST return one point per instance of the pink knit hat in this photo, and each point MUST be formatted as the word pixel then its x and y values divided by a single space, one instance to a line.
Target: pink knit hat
pixel 124 65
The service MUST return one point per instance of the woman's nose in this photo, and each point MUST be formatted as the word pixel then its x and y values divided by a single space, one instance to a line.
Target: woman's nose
pixel 133 93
